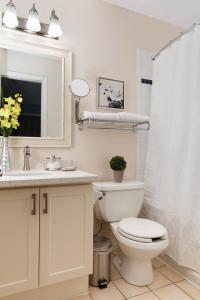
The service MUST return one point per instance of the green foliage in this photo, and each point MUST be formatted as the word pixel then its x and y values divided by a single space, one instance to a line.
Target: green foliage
pixel 118 163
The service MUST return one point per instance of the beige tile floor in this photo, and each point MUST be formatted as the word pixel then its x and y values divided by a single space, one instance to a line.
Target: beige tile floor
pixel 168 285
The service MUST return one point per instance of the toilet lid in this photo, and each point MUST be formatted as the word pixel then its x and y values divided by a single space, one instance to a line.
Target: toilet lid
pixel 142 228
pixel 134 238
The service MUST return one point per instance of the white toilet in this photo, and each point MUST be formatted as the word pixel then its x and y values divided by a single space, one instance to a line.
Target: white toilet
pixel 140 240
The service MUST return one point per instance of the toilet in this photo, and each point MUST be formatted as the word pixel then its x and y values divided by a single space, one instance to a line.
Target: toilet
pixel 139 239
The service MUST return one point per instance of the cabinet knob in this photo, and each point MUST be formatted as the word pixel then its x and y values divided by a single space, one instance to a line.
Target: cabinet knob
pixel 33 211
pixel 45 209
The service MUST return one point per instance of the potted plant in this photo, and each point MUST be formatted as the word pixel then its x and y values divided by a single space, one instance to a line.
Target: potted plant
pixel 118 165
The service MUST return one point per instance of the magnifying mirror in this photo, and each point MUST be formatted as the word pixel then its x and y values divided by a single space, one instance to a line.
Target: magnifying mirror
pixel 79 88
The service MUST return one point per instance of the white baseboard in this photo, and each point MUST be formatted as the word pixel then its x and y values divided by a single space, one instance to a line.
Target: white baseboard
pixel 189 274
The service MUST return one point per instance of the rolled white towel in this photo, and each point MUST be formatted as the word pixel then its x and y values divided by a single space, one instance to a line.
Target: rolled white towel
pixel 133 118
pixel 100 116
pixel 122 117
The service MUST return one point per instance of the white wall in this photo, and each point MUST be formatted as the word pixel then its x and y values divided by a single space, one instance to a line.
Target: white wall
pixel 144 70
pixel 104 39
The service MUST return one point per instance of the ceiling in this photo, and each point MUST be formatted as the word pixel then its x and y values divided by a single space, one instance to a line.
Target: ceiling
pixel 179 12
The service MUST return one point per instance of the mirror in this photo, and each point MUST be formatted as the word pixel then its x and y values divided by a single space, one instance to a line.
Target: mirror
pixel 40 70
pixel 39 78
pixel 79 88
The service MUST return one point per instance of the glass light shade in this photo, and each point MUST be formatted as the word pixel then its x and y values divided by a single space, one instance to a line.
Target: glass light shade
pixel 33 23
pixel 55 30
pixel 10 16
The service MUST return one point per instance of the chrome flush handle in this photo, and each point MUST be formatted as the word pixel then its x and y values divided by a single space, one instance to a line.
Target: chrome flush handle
pixel 100 195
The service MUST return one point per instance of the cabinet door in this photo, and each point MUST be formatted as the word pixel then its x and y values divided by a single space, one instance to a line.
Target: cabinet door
pixel 19 240
pixel 66 233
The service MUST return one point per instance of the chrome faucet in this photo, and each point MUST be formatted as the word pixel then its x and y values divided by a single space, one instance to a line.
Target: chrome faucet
pixel 27 154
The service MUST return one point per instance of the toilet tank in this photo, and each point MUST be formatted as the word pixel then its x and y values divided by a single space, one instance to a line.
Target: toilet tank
pixel 115 201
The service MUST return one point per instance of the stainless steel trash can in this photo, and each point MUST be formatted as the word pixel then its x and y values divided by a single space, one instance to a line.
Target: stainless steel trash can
pixel 101 262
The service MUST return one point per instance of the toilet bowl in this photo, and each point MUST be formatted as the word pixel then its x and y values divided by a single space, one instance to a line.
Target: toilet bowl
pixel 134 263
pixel 139 239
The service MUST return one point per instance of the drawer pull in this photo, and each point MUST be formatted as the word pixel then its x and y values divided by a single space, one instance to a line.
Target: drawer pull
pixel 33 211
pixel 45 209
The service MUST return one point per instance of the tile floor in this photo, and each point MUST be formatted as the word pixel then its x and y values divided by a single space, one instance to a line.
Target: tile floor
pixel 168 285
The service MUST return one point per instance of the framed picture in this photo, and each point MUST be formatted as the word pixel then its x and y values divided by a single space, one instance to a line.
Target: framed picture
pixel 110 93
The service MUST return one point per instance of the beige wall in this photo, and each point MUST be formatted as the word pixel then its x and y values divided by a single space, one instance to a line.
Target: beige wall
pixel 104 39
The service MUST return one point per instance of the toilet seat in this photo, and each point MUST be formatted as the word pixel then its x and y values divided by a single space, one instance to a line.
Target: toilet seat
pixel 142 230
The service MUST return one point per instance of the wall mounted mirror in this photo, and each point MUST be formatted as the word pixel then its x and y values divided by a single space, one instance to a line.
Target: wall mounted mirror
pixel 79 88
pixel 41 74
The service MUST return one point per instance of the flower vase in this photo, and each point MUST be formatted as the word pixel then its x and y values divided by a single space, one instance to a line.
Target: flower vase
pixel 5 158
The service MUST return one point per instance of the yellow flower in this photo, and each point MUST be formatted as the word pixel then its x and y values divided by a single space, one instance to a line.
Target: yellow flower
pixel 5 112
pixel 9 100
pixel 14 123
pixel 1 112
pixel 5 123
pixel 16 109
pixel 10 112
pixel 19 99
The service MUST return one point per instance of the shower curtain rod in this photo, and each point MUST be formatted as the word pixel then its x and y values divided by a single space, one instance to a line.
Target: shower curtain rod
pixel 175 39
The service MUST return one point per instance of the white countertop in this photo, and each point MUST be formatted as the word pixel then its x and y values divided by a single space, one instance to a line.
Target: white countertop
pixel 44 178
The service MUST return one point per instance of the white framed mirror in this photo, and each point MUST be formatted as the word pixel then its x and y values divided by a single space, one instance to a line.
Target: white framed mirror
pixel 41 73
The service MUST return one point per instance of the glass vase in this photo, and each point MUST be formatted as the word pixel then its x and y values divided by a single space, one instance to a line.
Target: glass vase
pixel 5 158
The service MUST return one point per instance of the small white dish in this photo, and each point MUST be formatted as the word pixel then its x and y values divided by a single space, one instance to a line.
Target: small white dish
pixel 71 168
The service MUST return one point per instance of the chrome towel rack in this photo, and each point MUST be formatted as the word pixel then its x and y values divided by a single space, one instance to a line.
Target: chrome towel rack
pixel 105 125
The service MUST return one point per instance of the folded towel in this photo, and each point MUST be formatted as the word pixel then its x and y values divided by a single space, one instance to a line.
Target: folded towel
pixel 122 117
pixel 133 118
pixel 100 116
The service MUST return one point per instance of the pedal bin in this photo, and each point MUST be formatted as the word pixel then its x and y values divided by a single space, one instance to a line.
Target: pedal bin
pixel 101 262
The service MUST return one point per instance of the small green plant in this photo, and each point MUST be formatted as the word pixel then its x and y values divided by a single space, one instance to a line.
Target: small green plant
pixel 118 163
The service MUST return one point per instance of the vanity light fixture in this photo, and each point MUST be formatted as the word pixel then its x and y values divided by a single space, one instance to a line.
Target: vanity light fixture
pixel 55 30
pixel 33 23
pixel 10 16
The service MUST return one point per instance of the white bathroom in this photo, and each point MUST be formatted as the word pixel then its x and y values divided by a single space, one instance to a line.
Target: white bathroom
pixel 99 150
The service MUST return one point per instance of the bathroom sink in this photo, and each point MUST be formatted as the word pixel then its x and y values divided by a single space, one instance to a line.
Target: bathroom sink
pixel 29 173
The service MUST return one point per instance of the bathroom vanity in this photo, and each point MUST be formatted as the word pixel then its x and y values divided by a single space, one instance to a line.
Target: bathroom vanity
pixel 46 218
pixel 46 233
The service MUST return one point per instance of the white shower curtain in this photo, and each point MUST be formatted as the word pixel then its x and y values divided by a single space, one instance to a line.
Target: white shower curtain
pixel 172 176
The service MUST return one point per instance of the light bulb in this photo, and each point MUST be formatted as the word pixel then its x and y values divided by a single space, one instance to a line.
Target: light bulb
pixel 10 15
pixel 33 23
pixel 55 30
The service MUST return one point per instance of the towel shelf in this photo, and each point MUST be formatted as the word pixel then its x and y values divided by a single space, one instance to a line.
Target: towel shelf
pixel 92 124
pixel 110 121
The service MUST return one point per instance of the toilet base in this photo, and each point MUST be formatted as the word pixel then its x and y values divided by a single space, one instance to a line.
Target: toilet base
pixel 135 271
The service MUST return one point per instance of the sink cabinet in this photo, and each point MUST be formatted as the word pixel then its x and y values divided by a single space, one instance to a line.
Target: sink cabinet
pixel 19 240
pixel 46 236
